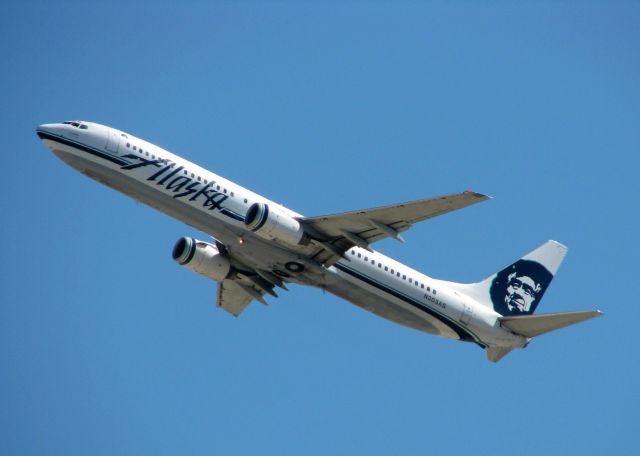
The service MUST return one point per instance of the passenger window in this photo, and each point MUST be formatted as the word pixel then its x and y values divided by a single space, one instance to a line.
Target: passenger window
pixel 422 285
pixel 359 255
pixel 198 178
pixel 404 277
pixel 128 145
pixel 231 193
pixel 386 268
pixel 410 280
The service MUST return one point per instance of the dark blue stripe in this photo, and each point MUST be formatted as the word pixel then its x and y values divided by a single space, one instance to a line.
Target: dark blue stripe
pixel 97 153
pixel 66 142
pixel 462 333
pixel 232 214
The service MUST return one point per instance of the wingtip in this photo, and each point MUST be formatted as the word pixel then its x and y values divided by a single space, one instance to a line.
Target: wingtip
pixel 478 195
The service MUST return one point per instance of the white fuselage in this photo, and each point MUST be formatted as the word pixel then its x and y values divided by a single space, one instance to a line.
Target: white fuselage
pixel 218 207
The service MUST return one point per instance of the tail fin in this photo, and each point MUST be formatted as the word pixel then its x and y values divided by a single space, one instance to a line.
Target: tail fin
pixel 518 288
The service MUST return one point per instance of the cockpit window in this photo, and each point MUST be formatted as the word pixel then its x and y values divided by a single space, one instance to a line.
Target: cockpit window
pixel 76 124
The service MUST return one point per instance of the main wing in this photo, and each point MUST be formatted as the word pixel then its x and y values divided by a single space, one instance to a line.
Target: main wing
pixel 335 234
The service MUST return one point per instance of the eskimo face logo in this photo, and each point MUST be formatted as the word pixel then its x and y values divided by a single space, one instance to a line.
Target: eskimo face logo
pixel 517 290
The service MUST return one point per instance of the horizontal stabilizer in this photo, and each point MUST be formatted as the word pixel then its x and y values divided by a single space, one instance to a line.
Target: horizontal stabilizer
pixel 534 325
pixel 495 354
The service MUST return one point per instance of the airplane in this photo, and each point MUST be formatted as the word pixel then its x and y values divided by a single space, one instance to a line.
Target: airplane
pixel 259 246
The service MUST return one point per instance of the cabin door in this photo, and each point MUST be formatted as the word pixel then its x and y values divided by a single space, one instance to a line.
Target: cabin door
pixel 467 311
pixel 113 141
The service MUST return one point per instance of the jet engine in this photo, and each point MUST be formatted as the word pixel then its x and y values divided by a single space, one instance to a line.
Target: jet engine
pixel 272 223
pixel 201 257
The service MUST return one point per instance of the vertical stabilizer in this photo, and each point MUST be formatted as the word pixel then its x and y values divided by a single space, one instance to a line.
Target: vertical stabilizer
pixel 518 288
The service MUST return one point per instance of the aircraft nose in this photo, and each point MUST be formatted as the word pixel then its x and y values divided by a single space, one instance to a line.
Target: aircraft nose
pixel 43 129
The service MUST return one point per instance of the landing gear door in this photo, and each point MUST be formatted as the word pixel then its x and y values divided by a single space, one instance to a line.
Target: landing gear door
pixel 113 140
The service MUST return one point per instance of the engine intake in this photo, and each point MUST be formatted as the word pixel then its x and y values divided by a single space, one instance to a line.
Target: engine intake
pixel 273 224
pixel 201 257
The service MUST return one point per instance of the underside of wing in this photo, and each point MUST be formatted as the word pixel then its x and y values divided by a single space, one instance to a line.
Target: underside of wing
pixel 232 298
pixel 235 294
pixel 335 234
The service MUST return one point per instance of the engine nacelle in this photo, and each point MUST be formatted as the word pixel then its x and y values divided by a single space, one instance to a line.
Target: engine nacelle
pixel 273 224
pixel 201 257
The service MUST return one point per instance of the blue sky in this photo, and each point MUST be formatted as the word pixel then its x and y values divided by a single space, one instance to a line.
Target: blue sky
pixel 108 347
